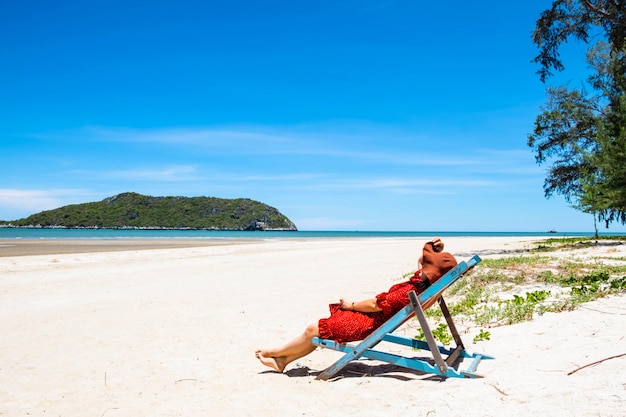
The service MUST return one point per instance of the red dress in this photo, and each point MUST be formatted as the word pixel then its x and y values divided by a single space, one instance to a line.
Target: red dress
pixel 348 326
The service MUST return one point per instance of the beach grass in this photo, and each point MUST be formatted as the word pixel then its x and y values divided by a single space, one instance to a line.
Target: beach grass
pixel 560 243
pixel 518 288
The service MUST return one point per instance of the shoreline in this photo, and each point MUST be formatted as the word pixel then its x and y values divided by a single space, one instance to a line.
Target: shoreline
pixel 38 247
pixel 34 247
pixel 31 247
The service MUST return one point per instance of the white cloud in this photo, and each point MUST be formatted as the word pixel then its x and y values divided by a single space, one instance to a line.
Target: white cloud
pixel 15 204
pixel 363 143
pixel 240 139
pixel 424 185
pixel 26 198
pixel 168 173
pixel 325 223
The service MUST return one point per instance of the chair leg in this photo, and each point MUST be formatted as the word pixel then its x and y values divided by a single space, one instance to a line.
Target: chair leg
pixel 451 325
pixel 430 339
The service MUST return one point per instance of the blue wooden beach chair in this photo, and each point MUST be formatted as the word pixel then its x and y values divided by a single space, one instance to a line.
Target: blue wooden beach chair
pixel 443 367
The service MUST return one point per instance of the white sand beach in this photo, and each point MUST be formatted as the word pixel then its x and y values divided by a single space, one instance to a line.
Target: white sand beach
pixel 172 332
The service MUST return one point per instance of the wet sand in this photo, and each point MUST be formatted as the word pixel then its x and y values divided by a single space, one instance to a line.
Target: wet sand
pixel 19 247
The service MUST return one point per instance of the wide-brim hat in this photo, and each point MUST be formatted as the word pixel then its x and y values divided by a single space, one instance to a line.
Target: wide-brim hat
pixel 436 264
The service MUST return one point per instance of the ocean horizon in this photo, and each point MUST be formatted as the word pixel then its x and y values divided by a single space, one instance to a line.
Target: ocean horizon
pixel 109 234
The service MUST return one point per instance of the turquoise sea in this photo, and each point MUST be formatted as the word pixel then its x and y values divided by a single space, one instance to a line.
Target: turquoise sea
pixel 106 234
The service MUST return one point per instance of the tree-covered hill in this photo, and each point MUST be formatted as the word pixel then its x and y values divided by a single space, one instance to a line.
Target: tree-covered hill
pixel 132 210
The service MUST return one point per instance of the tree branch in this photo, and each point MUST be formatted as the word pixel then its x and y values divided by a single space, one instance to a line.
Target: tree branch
pixel 595 363
pixel 600 11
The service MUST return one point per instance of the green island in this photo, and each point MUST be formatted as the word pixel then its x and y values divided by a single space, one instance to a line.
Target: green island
pixel 136 211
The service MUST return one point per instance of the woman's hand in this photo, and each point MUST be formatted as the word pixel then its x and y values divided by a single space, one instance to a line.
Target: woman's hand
pixel 437 244
pixel 346 305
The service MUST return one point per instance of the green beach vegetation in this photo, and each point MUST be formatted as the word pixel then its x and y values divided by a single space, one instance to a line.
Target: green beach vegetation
pixel 132 210
pixel 517 288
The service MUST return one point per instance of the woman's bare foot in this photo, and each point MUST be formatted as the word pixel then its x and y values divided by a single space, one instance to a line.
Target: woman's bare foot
pixel 275 363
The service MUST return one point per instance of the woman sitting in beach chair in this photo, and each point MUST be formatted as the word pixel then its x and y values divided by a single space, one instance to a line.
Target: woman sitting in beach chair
pixel 350 321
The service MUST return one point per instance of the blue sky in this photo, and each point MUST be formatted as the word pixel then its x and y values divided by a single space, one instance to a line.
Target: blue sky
pixel 345 115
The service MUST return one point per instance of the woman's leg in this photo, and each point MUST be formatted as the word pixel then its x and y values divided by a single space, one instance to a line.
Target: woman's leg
pixel 279 358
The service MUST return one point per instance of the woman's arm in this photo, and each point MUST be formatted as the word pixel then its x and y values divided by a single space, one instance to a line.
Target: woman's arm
pixel 365 306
